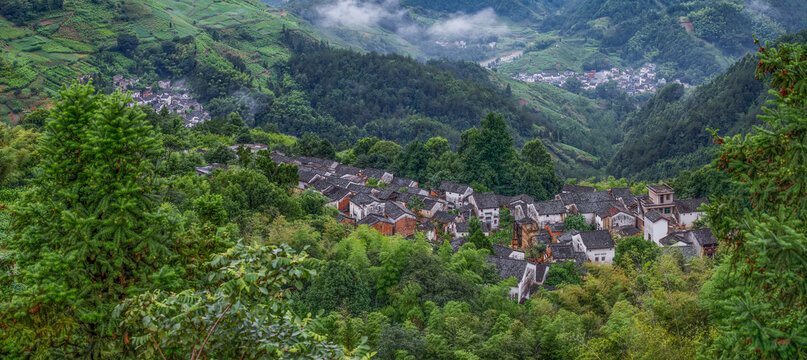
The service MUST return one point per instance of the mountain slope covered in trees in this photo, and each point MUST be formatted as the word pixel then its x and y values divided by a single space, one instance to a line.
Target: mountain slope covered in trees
pixel 669 133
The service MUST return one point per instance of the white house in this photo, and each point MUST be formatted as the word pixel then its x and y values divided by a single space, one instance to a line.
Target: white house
pixel 548 212
pixel 456 194
pixel 598 246
pixel 686 211
pixel 656 226
pixel 614 218
pixel 363 204
pixel 487 208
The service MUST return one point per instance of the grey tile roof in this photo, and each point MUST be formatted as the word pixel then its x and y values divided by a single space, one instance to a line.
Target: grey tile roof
pixel 363 199
pixel 557 227
pixel 346 170
pixel 595 207
pixel 654 215
pixel 336 193
pixel 396 211
pixel 690 206
pixel 568 188
pixel 387 194
pixel 567 236
pixel 704 236
pixel 373 219
pixel 597 239
pixel 399 182
pixel 673 239
pixel 454 187
pixel 444 217
pixel 551 207
pixel 356 188
pixel 542 237
pixel 523 198
pixel 457 243
pixel 562 251
pixel 502 251
pixel 486 200
pixel 629 230
pixel 508 267
pixel 462 227
pixel 373 173
pixel 322 184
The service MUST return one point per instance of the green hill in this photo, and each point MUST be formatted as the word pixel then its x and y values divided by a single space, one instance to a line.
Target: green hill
pixel 48 46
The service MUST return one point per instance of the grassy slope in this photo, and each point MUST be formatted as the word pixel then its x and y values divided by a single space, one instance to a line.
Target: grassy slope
pixel 60 46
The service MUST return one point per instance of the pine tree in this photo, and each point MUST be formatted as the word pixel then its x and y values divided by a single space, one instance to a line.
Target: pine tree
pixel 759 291
pixel 89 232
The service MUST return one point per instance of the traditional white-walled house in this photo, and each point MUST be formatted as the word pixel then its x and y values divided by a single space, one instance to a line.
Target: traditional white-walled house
pixel 456 194
pixel 703 241
pixel 487 208
pixel 598 246
pixel 548 212
pixel 686 211
pixel 614 218
pixel 656 226
pixel 528 275
pixel 363 204
pixel 589 210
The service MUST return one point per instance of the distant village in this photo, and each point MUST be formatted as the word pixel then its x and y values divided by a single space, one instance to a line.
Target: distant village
pixel 175 97
pixel 398 206
pixel 632 81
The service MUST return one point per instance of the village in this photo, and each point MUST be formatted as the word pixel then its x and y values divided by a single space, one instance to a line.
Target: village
pixel 175 97
pixel 398 206
pixel 632 81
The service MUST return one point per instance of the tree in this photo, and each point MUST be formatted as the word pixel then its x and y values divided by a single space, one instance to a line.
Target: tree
pixel 577 222
pixel 312 145
pixel 337 288
pixel 563 273
pixel 241 311
pixel 762 281
pixel 534 153
pixel 127 43
pixel 573 85
pixel 284 175
pixel 413 161
pixel 36 119
pixel 220 154
pixel 633 252
pixel 93 206
pixel 477 237
pixel 18 153
pixel 488 155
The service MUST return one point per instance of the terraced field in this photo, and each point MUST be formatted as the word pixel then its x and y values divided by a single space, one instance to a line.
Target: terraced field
pixel 63 45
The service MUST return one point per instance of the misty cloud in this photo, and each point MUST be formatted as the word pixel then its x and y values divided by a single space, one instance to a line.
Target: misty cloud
pixel 358 14
pixel 462 26
pixel 390 15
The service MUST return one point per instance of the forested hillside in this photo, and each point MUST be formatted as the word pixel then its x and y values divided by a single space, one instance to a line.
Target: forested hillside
pixel 669 133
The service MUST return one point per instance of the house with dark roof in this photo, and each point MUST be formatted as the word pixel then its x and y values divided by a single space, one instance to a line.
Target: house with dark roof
pixel 598 246
pixel 549 212
pixel 678 241
pixel 524 271
pixel 487 207
pixel 446 220
pixel 364 204
pixel 378 222
pixel 656 226
pixel 589 210
pixel 686 211
pixel 404 221
pixel 661 198
pixel 379 175
pixel 207 170
pixel 569 188
pixel 703 240
pixel 461 230
pixel 613 218
pixel 432 205
pixel 338 198
pixel 455 194
pixel 400 182
pixel 507 252
pixel 427 227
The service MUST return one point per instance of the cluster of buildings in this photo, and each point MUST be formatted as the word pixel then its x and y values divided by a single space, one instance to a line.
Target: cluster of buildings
pixel 633 81
pixel 400 207
pixel 176 99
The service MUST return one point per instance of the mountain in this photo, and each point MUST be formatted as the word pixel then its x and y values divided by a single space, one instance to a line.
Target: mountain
pixel 690 41
pixel 669 133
